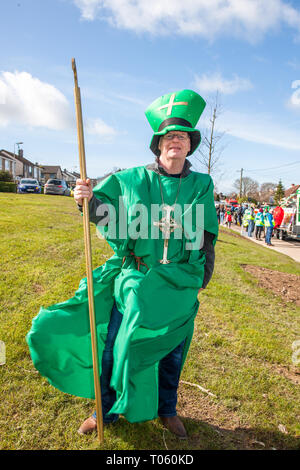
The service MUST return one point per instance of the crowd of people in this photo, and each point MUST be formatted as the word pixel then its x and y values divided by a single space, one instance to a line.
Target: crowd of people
pixel 253 223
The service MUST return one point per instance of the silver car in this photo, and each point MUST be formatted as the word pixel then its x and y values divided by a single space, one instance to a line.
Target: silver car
pixel 54 186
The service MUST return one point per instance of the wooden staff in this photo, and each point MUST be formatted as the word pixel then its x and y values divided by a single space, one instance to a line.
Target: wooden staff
pixel 88 257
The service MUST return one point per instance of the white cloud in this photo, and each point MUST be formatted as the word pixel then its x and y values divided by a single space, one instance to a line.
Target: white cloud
pixel 260 128
pixel 28 101
pixel 247 18
pixel 89 8
pixel 295 98
pixel 215 82
pixel 99 127
pixel 130 99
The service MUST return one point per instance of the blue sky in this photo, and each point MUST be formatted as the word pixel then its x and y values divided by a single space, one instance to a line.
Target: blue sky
pixel 128 53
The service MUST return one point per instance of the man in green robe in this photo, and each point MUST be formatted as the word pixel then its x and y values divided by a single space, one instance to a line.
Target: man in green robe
pixel 146 293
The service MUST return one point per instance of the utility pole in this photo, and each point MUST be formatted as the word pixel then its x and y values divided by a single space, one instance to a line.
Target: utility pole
pixel 241 182
pixel 14 164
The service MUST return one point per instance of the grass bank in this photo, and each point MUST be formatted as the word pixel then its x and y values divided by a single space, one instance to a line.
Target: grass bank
pixel 241 350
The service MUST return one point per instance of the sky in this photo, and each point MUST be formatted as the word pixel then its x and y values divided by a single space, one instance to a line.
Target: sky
pixel 130 52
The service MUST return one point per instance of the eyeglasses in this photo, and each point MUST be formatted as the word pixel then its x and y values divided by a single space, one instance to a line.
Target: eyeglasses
pixel 179 136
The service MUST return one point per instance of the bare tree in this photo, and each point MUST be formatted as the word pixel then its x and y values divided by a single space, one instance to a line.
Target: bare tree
pixel 266 191
pixel 250 187
pixel 210 151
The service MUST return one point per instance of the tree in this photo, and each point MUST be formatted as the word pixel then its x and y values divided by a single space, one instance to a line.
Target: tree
pixel 279 194
pixel 210 150
pixel 249 187
pixel 6 176
pixel 248 200
pixel 232 195
pixel 266 191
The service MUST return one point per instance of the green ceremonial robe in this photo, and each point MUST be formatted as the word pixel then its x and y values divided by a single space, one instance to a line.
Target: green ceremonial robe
pixel 158 305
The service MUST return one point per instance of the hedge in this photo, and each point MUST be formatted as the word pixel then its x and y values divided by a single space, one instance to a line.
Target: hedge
pixel 6 176
pixel 6 187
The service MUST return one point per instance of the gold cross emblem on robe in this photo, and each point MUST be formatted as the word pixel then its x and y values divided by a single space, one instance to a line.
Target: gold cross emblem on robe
pixel 167 225
pixel 171 104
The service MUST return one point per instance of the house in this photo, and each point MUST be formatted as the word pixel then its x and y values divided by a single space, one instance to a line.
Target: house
pixel 25 168
pixel 72 176
pixel 19 166
pixel 8 162
pixel 291 190
pixel 51 171
pixel 69 177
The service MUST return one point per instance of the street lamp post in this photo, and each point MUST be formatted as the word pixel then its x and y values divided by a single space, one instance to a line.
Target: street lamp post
pixel 18 144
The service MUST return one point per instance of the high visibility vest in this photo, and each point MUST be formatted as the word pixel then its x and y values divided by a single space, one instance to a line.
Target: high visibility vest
pixel 259 219
pixel 245 221
pixel 248 214
pixel 267 221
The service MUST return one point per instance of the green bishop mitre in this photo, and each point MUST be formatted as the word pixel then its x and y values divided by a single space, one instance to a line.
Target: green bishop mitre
pixel 179 111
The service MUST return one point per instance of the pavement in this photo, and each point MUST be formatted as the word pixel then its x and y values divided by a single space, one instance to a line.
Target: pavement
pixel 290 248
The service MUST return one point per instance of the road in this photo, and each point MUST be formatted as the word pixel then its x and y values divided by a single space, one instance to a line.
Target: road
pixel 290 248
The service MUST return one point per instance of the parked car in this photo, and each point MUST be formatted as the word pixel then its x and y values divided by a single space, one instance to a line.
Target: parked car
pixel 54 186
pixel 29 185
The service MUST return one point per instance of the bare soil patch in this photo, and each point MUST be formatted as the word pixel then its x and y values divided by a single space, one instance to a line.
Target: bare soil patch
pixel 224 424
pixel 221 428
pixel 289 372
pixel 38 288
pixel 285 285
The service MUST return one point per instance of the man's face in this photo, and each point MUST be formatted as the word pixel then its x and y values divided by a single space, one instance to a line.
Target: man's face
pixel 175 144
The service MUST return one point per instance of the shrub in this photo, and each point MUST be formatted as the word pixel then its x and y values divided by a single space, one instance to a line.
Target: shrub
pixel 6 176
pixel 8 187
pixel 248 200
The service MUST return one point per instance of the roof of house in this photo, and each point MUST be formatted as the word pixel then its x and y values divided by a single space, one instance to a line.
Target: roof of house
pixel 51 168
pixel 6 154
pixel 69 173
pixel 291 190
pixel 17 157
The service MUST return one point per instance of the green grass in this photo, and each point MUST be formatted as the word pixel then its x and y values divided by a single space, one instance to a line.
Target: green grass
pixel 241 350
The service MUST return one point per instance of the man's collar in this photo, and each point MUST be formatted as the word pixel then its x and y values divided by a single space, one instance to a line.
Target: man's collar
pixel 156 166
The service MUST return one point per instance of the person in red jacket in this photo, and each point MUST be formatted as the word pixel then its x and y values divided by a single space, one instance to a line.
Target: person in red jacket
pixel 278 216
pixel 228 218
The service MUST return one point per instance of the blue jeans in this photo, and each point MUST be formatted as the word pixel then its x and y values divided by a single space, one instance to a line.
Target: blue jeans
pixel 269 234
pixel 169 373
pixel 250 228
